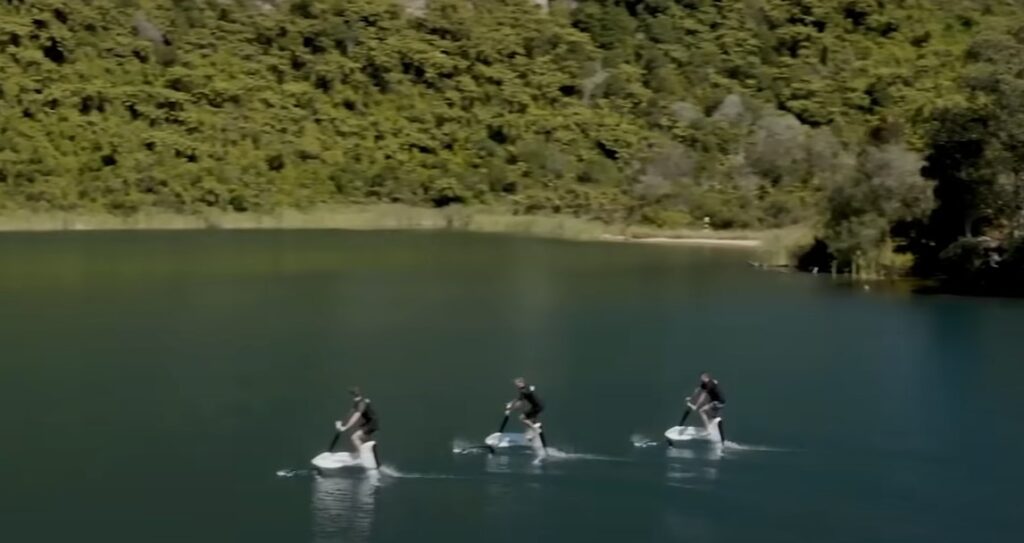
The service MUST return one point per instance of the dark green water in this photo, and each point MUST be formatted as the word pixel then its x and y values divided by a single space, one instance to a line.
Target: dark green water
pixel 153 384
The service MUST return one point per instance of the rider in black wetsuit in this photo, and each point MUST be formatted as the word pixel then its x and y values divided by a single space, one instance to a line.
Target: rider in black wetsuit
pixel 710 399
pixel 363 415
pixel 530 405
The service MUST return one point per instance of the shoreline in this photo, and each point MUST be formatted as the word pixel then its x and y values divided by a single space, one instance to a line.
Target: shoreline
pixel 382 217
pixel 717 242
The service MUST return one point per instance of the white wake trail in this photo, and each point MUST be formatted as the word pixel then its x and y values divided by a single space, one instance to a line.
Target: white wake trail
pixel 553 453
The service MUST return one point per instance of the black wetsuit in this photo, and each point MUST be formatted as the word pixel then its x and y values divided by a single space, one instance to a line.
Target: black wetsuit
pixel 714 392
pixel 368 419
pixel 528 395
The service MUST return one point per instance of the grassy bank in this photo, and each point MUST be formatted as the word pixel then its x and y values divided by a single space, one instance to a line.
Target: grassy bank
pixel 396 217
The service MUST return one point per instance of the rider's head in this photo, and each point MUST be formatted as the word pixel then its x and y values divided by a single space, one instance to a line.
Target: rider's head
pixel 356 393
pixel 520 382
pixel 705 377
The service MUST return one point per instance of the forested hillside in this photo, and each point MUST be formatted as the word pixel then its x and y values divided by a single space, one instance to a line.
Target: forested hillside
pixel 894 128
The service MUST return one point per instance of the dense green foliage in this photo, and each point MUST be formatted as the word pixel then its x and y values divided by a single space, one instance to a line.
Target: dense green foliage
pixel 893 126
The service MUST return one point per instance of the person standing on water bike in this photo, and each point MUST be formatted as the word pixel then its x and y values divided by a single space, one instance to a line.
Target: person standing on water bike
pixel 363 416
pixel 709 401
pixel 531 407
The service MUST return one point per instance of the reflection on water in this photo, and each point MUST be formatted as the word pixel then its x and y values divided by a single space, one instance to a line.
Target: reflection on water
pixel 514 463
pixel 343 507
pixel 687 467
pixel 498 463
pixel 710 452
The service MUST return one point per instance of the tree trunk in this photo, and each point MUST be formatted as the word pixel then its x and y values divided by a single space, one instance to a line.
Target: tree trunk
pixel 1017 219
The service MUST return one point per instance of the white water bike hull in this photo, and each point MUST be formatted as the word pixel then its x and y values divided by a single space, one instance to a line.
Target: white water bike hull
pixel 506 440
pixel 366 460
pixel 676 434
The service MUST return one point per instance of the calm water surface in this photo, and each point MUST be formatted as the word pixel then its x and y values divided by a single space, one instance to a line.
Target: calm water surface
pixel 154 385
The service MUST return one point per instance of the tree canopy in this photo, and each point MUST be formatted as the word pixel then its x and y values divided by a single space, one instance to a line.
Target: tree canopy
pixel 891 126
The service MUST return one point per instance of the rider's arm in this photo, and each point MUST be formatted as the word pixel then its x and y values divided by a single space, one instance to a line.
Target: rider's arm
pixel 354 418
pixel 699 394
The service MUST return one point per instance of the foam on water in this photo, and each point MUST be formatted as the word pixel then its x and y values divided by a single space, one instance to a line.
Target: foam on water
pixel 558 454
pixel 642 441
pixel 387 470
pixel 393 472
pixel 465 446
pixel 732 445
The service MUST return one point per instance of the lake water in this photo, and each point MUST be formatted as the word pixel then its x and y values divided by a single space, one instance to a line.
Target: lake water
pixel 174 386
